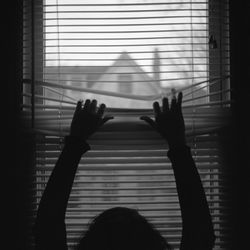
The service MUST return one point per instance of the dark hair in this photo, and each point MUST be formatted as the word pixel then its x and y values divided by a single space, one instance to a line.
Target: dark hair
pixel 122 228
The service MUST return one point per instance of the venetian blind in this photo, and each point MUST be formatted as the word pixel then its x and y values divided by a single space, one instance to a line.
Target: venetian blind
pixel 87 49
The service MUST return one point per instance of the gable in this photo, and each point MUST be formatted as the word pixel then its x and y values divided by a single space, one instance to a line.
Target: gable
pixel 124 64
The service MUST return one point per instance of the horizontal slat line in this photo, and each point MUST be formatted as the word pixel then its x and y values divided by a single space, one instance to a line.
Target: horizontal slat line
pixel 162 64
pixel 155 221
pixel 220 196
pixel 134 166
pixel 198 126
pixel 160 227
pixel 52 156
pixel 50 73
pixel 64 121
pixel 74 11
pixel 138 59
pixel 114 94
pixel 210 195
pixel 129 38
pixel 121 45
pixel 171 239
pixel 124 38
pixel 208 95
pixel 200 88
pixel 187 29
pixel 129 203
pixel 120 4
pixel 173 243
pixel 214 173
pixel 212 181
pixel 131 52
pixel 172 187
pixel 128 24
pixel 128 60
pixel 173 220
pixel 206 178
pixel 57 85
pixel 60 93
pixel 150 217
pixel 209 81
pixel 170 179
pixel 51 99
pixel 128 18
pixel 209 141
pixel 102 188
pixel 214 178
pixel 162 188
pixel 63 117
pixel 67 118
pixel 134 112
pixel 202 12
pixel 111 147
pixel 74 235
pixel 122 153
pixel 152 220
pixel 170 229
pixel 213 111
pixel 60 86
pixel 193 131
pixel 168 173
pixel 110 144
pixel 125 31
pixel 122 160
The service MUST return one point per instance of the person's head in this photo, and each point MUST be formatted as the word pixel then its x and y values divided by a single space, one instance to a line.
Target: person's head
pixel 122 228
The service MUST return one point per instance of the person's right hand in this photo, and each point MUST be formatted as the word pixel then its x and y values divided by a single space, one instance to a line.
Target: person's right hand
pixel 87 119
pixel 169 121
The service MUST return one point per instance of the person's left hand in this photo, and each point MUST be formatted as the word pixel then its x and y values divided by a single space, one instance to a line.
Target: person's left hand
pixel 87 119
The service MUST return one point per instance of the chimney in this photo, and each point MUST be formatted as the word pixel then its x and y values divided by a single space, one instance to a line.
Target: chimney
pixel 156 67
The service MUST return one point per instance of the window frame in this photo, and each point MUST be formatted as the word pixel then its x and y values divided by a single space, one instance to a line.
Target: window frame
pixel 39 64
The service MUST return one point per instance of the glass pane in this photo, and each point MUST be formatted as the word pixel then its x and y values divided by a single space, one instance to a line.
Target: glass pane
pixel 92 45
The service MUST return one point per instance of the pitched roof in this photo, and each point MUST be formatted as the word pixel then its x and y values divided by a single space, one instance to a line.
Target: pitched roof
pixel 94 73
pixel 125 60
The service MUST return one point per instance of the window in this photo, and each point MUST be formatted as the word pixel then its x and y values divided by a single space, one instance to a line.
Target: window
pixel 125 84
pixel 87 49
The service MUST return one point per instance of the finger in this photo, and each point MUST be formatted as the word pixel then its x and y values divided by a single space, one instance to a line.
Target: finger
pixel 86 105
pixel 173 103
pixel 179 99
pixel 150 121
pixel 101 110
pixel 78 106
pixel 106 118
pixel 165 105
pixel 92 107
pixel 157 109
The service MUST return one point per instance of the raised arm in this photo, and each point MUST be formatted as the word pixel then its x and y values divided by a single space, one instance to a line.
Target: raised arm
pixel 197 228
pixel 49 230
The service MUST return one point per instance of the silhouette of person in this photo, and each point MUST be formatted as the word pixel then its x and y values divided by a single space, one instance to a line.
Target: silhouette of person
pixel 121 228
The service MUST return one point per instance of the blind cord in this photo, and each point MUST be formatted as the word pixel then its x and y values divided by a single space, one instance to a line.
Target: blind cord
pixel 59 78
pixel 192 78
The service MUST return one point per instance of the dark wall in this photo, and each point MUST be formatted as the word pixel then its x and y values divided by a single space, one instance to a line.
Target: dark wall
pixel 240 146
pixel 17 146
